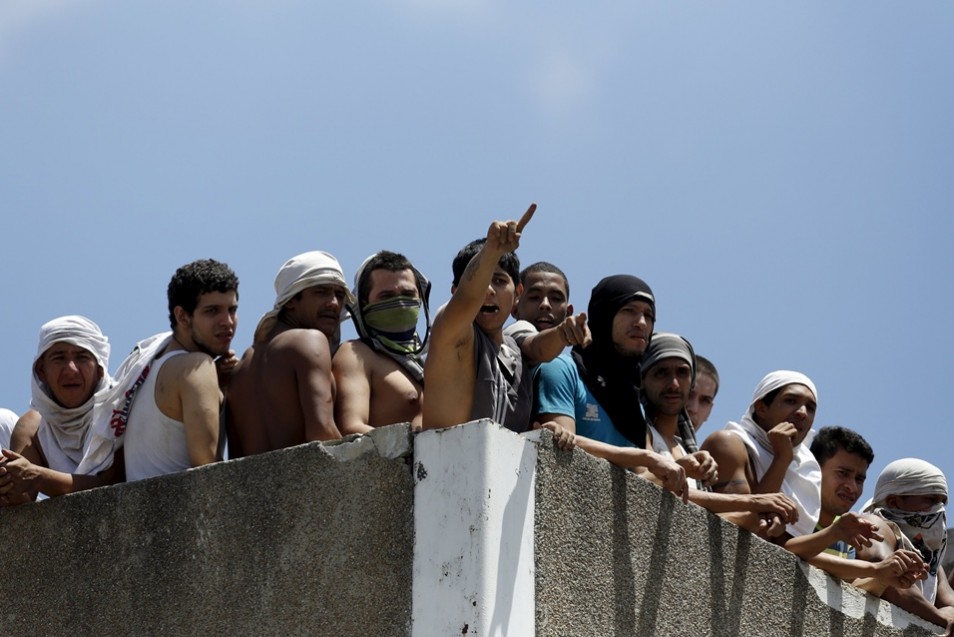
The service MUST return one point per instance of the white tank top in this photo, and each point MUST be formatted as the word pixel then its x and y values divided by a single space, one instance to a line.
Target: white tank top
pixel 155 444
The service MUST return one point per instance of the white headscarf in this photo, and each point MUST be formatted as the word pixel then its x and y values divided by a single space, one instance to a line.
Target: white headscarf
pixel 297 274
pixel 927 530
pixel 802 482
pixel 63 431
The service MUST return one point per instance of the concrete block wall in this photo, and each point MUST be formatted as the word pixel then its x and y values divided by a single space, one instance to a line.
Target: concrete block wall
pixel 471 530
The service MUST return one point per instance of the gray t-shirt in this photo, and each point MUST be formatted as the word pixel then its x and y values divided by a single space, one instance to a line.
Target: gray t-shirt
pixel 503 391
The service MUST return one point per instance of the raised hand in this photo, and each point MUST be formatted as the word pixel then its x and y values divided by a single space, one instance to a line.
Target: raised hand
pixel 504 236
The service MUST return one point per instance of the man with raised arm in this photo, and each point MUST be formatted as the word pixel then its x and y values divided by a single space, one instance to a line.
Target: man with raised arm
pixel 380 375
pixel 472 370
pixel 282 393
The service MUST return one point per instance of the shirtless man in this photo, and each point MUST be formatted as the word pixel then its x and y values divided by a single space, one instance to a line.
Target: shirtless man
pixel 492 382
pixel 380 376
pixel 282 393
pixel 69 370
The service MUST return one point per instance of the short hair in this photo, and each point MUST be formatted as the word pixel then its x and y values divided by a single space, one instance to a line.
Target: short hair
pixel 829 440
pixel 509 262
pixel 547 267
pixel 195 279
pixel 705 366
pixel 383 260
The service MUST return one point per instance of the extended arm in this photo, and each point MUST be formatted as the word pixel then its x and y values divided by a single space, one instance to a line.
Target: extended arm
pixel 542 347
pixel 851 528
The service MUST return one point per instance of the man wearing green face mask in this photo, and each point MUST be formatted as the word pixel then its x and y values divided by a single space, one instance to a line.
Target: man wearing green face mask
pixel 380 375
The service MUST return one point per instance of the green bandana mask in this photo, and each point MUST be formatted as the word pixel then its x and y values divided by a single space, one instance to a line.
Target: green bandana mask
pixel 393 321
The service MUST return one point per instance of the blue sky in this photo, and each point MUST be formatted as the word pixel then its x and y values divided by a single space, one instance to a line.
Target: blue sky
pixel 780 173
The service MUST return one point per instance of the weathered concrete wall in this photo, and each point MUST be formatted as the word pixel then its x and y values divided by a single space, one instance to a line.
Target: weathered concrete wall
pixel 306 541
pixel 501 535
pixel 615 555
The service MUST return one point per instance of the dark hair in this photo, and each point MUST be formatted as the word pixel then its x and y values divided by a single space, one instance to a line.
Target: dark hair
pixel 829 440
pixel 705 366
pixel 195 279
pixel 383 260
pixel 547 267
pixel 509 262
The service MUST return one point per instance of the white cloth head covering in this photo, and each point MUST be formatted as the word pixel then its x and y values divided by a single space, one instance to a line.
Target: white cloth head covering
pixel 908 476
pixel 63 432
pixel 775 380
pixel 802 482
pixel 299 273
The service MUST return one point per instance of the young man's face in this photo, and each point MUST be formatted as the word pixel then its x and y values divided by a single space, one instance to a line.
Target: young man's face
pixel 212 325
pixel 666 385
pixel 544 300
pixel 71 372
pixel 386 284
pixel 318 308
pixel 498 302
pixel 843 480
pixel 793 403
pixel 701 400
pixel 632 327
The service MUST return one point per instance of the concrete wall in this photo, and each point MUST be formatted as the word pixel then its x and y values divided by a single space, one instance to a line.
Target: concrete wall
pixel 306 541
pixel 471 530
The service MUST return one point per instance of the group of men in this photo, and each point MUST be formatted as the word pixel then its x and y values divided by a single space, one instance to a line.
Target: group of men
pixel 623 392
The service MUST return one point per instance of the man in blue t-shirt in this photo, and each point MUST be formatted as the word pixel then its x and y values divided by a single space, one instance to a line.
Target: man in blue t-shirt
pixel 595 391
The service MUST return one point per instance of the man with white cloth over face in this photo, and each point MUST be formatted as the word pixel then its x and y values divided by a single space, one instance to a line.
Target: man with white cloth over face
pixel 70 377
pixel 282 393
pixel 908 506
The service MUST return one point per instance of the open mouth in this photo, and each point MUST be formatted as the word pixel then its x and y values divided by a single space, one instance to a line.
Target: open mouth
pixel 489 309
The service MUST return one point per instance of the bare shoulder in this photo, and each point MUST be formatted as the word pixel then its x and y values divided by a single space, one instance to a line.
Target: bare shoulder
pixel 28 424
pixel 725 444
pixel 300 342
pixel 24 433
pixel 188 362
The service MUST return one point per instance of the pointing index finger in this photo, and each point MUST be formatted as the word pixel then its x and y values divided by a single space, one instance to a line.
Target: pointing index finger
pixel 525 219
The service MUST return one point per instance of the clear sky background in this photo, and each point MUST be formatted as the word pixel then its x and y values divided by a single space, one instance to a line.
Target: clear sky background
pixel 782 174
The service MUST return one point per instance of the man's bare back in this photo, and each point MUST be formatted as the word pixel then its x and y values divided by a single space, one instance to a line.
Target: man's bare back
pixel 374 390
pixel 282 393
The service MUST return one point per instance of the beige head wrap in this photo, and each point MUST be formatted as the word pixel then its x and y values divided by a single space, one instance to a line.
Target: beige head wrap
pixel 299 273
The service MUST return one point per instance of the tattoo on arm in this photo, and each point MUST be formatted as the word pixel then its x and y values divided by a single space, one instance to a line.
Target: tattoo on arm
pixel 471 270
